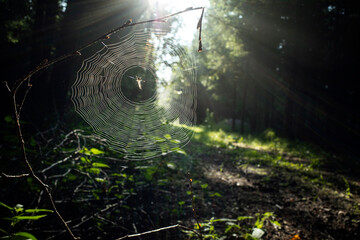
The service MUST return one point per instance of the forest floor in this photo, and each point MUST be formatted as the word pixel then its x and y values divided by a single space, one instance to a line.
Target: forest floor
pixel 291 189
pixel 242 187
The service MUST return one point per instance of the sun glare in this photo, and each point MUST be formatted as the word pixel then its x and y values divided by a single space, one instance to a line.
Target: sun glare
pixel 188 21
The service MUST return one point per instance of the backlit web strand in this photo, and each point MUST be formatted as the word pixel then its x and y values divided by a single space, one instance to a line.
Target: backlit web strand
pixel 139 94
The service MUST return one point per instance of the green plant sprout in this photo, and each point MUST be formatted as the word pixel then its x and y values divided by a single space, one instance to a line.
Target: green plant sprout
pixel 347 185
pixel 18 214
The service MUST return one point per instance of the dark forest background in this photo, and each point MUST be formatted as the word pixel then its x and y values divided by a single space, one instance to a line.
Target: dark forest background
pixel 289 68
pixel 287 65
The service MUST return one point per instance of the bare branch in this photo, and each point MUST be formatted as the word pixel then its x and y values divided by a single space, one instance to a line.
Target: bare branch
pixel 45 63
pixel 130 24
pixel 60 175
pixel 15 176
pixel 57 163
pixel 157 230
pixel 6 85
pixel 24 97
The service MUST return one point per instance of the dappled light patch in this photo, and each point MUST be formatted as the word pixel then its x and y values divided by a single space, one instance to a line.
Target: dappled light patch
pixel 249 146
pixel 212 172
pixel 248 168
pixel 288 183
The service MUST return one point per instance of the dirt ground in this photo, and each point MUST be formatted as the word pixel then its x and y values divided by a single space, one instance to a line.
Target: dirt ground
pixel 304 207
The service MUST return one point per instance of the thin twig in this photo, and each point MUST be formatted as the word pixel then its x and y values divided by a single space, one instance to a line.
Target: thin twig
pixel 157 230
pixel 79 186
pixel 57 163
pixel 66 138
pixel 15 176
pixel 24 97
pixel 60 175
pixel 6 85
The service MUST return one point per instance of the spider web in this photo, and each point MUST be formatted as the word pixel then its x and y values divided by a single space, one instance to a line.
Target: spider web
pixel 138 93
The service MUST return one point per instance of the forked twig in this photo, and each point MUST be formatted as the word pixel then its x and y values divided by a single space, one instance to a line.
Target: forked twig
pixel 45 64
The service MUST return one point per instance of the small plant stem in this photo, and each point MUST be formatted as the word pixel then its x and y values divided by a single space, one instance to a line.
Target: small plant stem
pixel 193 206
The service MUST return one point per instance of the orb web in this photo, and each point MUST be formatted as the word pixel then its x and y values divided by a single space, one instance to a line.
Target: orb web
pixel 139 94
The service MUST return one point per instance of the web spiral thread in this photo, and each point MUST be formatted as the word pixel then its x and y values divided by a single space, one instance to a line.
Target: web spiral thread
pixel 148 64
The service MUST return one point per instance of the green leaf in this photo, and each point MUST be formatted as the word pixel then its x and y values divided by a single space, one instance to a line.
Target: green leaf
pixel 85 151
pixel 178 150
pixel 167 136
pixel 32 141
pixel 6 206
pixel 204 186
pixel 244 218
pixel 175 141
pixel 149 173
pixel 119 196
pixel 19 208
pixel 164 149
pixel 8 118
pixel 172 166
pixel 20 218
pixel 23 236
pixel 119 175
pixel 85 160
pixel 231 226
pixel 275 223
pixel 216 194
pixel 38 210
pixel 223 220
pixel 101 180
pixel 96 151
pixel 94 170
pixel 162 182
pixel 159 139
pixel 100 165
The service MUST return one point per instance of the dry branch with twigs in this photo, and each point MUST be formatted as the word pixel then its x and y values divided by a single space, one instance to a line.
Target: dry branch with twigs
pixel 13 91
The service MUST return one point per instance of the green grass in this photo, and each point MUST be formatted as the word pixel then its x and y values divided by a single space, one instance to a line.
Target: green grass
pixel 258 146
pixel 270 152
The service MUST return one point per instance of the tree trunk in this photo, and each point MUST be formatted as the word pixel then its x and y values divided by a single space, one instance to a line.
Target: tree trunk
pixel 243 108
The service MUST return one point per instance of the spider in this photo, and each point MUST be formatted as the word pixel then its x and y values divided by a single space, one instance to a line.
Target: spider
pixel 138 80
